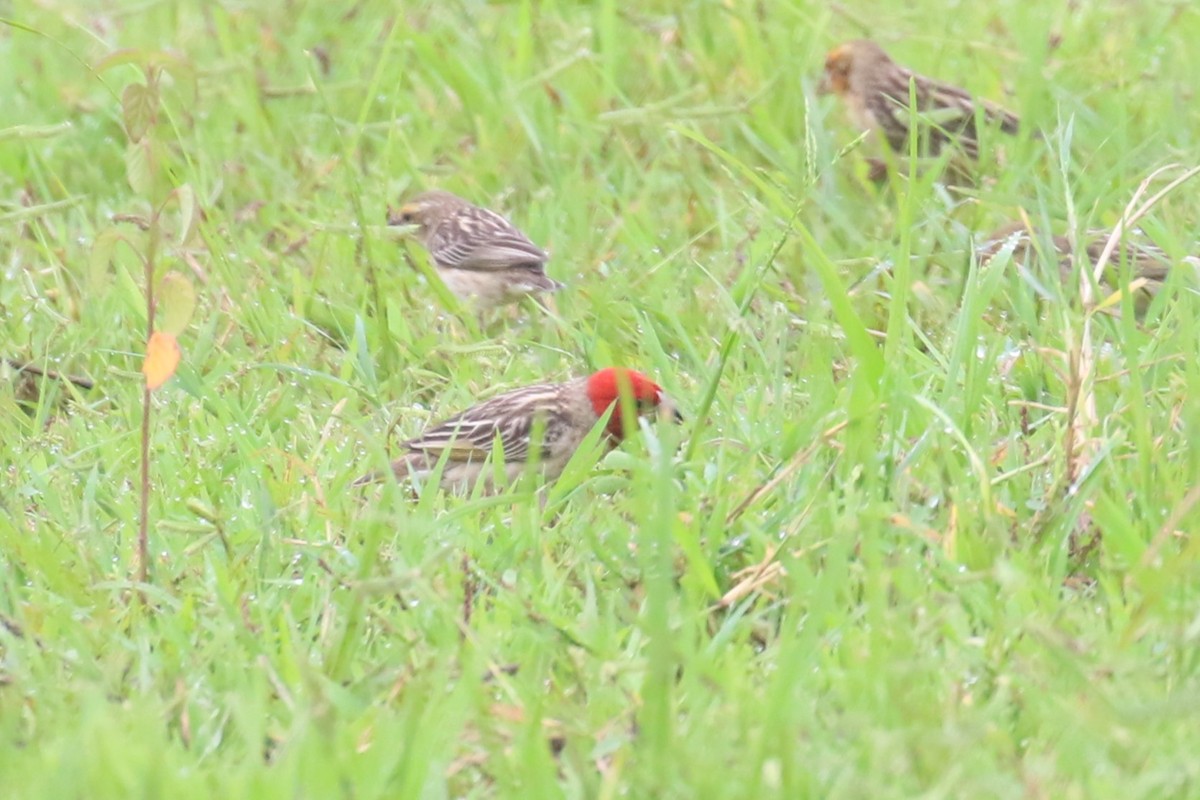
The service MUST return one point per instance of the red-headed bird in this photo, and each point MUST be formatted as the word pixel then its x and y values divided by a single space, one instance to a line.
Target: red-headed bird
pixel 556 415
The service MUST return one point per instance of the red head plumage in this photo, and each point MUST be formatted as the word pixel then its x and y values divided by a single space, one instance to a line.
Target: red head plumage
pixel 604 389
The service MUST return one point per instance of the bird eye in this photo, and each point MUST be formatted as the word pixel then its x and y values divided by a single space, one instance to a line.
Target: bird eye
pixel 405 215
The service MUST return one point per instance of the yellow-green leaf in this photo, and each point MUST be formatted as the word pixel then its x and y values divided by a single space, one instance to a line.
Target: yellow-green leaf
pixel 139 109
pixel 140 166
pixel 150 61
pixel 102 254
pixel 189 212
pixel 175 300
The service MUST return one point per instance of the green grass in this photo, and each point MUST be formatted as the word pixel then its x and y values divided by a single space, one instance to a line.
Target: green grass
pixel 934 624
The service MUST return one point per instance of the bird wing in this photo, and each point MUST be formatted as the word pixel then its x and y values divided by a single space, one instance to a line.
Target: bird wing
pixel 945 113
pixel 1146 260
pixel 512 417
pixel 476 238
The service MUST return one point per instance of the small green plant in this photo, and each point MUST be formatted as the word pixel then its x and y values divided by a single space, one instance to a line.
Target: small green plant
pixel 170 296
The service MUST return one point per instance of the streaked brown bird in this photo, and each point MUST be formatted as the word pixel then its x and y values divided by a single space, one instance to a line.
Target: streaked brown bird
pixel 481 256
pixel 556 415
pixel 891 101
pixel 1149 265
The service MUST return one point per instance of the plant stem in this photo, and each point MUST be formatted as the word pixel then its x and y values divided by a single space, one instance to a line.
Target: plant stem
pixel 143 543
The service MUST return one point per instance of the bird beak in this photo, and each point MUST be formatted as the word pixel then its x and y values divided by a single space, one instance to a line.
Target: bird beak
pixel 668 410
pixel 825 86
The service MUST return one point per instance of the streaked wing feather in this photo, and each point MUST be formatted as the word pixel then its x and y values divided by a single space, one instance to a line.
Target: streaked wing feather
pixel 466 439
pixel 511 416
pixel 1147 260
pixel 892 123
pixel 495 253
pixel 957 103
pixel 945 112
pixel 476 238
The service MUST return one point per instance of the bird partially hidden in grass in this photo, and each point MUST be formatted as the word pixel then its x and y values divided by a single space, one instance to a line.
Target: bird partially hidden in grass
pixel 30 380
pixel 891 101
pixel 480 256
pixel 1148 264
pixel 557 416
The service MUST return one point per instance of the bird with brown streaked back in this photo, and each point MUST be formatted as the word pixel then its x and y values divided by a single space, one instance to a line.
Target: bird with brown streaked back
pixel 557 415
pixel 483 258
pixel 883 97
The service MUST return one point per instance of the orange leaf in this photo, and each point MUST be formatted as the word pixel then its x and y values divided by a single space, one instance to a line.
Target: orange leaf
pixel 162 357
